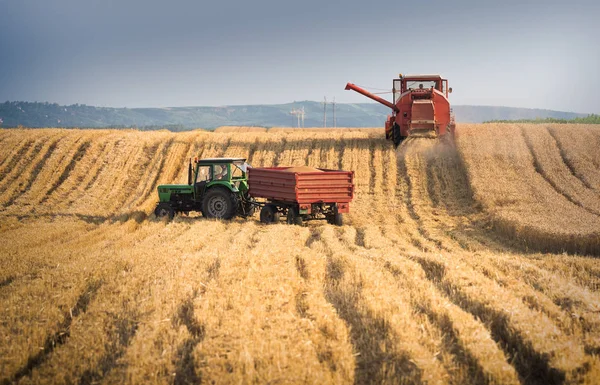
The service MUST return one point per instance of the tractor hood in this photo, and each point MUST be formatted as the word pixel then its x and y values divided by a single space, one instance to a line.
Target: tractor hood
pixel 165 190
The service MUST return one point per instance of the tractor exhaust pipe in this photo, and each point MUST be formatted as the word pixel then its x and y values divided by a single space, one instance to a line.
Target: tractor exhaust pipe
pixel 190 172
pixel 369 95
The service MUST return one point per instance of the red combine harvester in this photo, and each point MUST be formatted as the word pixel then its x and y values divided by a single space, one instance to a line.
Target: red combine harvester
pixel 420 107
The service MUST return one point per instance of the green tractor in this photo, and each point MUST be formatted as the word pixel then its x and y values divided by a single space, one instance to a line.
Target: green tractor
pixel 217 188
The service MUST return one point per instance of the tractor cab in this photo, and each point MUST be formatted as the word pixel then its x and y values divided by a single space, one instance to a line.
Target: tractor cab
pixel 216 187
pixel 226 172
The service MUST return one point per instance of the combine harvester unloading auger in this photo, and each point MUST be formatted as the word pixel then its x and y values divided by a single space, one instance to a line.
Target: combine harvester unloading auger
pixel 420 107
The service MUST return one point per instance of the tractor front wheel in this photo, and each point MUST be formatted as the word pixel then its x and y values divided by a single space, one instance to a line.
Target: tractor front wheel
pixel 219 203
pixel 164 210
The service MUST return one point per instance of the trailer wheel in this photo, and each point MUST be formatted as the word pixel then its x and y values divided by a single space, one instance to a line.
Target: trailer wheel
pixel 337 219
pixel 219 203
pixel 269 214
pixel 164 210
pixel 293 218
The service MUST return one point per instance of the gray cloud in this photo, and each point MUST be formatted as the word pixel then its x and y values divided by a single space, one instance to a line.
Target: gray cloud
pixel 156 53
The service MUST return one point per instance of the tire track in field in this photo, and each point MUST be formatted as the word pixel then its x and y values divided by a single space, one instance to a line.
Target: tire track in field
pixel 185 368
pixel 370 334
pixel 60 337
pixel 102 157
pixel 540 170
pixel 120 334
pixel 79 154
pixel 33 174
pixel 566 161
pixel 533 366
pixel 473 354
pixel 18 167
pixel 14 157
pixel 405 153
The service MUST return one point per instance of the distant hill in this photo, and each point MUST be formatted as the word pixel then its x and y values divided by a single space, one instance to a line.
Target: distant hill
pixel 33 114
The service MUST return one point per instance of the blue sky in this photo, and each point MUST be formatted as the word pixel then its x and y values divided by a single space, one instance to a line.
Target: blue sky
pixel 135 53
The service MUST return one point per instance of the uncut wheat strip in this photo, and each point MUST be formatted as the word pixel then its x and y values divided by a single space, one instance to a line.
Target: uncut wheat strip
pixel 153 171
pixel 119 177
pixel 101 179
pixel 552 166
pixel 389 339
pixel 70 173
pixel 259 151
pixel 389 202
pixel 283 156
pixel 518 198
pixel 170 170
pixel 486 299
pixel 314 156
pixel 69 200
pixel 327 332
pixel 455 214
pixel 352 160
pixel 144 305
pixel 37 309
pixel 142 169
pixel 16 161
pixel 583 270
pixel 304 145
pixel 473 339
pixel 575 309
pixel 106 327
pixel 273 146
pixel 262 342
pixel 27 174
pixel 104 330
pixel 164 347
pixel 427 218
pixel 578 148
pixel 54 167
pixel 240 145
pixel 473 355
pixel 211 147
pixel 12 150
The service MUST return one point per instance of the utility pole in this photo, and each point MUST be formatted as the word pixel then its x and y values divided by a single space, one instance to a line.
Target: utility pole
pixel 324 112
pixel 334 122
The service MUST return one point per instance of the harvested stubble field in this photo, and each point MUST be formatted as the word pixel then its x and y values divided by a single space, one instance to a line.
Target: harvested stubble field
pixel 475 265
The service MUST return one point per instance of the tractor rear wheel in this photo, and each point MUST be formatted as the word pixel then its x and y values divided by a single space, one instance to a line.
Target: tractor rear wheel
pixel 219 203
pixel 293 218
pixel 269 214
pixel 337 219
pixel 164 210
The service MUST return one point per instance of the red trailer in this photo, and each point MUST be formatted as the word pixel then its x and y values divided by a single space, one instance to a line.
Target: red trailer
pixel 301 193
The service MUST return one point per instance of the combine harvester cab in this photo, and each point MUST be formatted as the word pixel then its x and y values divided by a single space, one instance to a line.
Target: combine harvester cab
pixel 420 107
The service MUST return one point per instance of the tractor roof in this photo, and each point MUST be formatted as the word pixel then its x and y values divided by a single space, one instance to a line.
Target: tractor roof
pixel 424 77
pixel 207 161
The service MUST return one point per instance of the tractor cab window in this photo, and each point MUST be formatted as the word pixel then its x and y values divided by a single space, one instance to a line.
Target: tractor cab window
pixel 203 174
pixel 421 84
pixel 220 172
pixel 239 169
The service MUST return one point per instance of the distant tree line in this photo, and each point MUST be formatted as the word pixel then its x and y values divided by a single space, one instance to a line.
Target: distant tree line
pixel 590 119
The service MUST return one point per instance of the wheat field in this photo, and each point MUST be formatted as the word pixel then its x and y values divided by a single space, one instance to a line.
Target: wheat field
pixel 469 264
